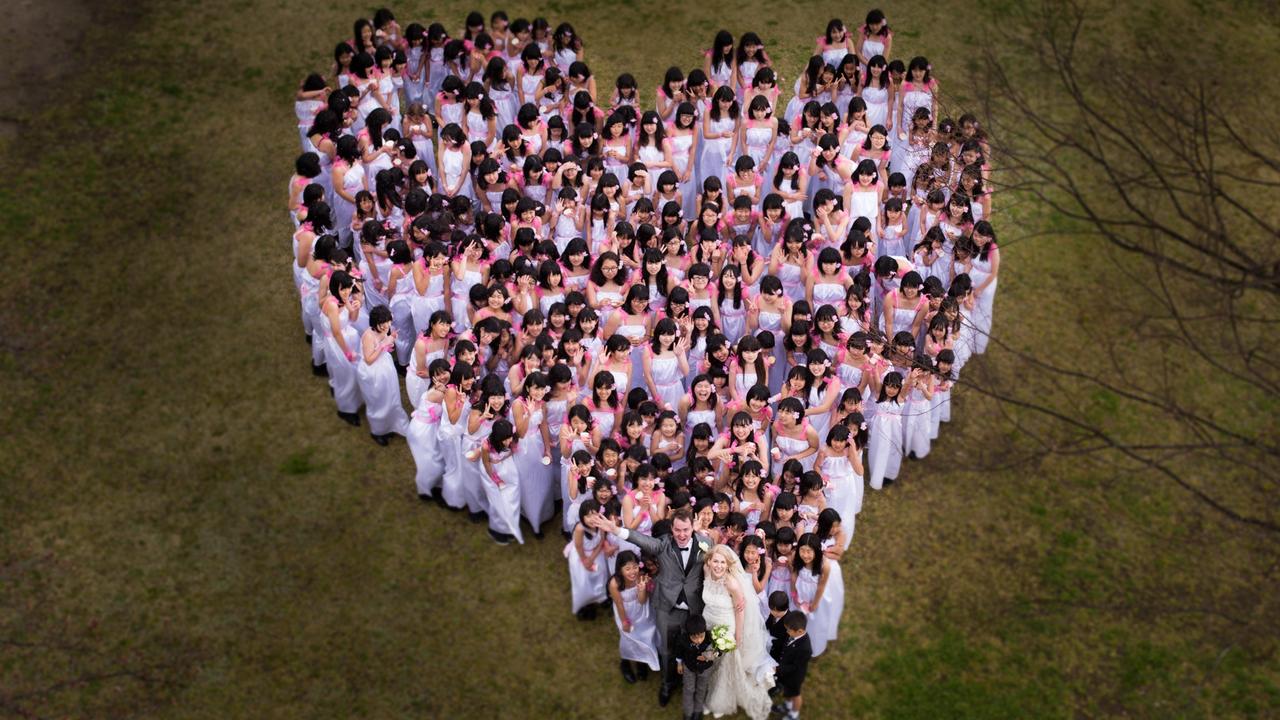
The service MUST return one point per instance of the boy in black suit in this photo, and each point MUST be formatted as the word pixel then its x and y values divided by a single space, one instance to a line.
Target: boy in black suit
pixel 793 663
pixel 694 658
pixel 779 603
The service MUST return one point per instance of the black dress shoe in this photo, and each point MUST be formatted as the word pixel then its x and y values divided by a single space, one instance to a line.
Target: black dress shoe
pixel 380 439
pixel 664 695
pixel 627 673
pixel 425 498
pixel 642 671
pixel 350 418
pixel 320 370
pixel 307 337
pixel 499 537
pixel 889 481
pixel 476 517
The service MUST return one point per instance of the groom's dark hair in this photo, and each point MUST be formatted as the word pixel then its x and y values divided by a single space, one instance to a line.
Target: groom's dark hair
pixel 694 625
pixel 684 514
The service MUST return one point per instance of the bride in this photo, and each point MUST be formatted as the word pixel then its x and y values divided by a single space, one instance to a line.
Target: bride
pixel 742 677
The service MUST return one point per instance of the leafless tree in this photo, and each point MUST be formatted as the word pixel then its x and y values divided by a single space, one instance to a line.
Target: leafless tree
pixel 1169 164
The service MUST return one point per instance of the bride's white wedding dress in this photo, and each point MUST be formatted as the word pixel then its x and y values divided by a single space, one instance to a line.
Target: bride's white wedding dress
pixel 741 678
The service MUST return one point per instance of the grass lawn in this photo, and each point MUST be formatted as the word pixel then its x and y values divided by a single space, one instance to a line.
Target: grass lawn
pixel 186 530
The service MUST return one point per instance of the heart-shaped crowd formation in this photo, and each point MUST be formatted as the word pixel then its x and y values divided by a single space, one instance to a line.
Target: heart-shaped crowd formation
pixel 689 327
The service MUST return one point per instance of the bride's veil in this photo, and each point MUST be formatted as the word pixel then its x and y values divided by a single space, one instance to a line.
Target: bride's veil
pixel 755 658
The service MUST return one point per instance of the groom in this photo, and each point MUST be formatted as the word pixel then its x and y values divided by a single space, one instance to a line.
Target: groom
pixel 679 582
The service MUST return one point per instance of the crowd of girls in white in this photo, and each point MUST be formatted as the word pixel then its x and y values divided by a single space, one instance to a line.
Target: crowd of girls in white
pixel 628 301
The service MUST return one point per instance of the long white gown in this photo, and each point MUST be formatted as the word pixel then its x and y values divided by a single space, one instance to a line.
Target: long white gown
pixel 667 378
pixel 740 679
pixel 884 452
pixel 380 387
pixel 824 620
pixel 641 644
pixel 502 493
pixel 450 437
pixel 342 372
pixel 424 443
pixel 587 587
pixel 844 494
pixel 537 481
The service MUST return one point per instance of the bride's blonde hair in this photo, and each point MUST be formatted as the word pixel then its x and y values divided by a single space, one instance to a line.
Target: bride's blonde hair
pixel 729 557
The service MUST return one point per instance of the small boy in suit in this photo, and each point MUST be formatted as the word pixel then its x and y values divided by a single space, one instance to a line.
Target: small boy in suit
pixel 694 658
pixel 793 663
pixel 779 603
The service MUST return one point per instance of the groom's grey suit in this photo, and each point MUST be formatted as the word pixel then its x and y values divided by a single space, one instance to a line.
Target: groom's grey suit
pixel 678 586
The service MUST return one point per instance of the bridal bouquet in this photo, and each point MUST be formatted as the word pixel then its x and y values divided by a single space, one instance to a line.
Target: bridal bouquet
pixel 722 639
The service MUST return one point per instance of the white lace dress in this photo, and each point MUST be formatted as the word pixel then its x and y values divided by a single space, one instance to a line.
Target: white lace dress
pixel 740 679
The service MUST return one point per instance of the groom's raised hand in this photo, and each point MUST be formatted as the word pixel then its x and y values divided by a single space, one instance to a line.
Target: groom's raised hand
pixel 600 522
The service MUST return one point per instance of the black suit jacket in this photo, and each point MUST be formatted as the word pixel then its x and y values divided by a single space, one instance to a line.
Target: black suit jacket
pixel 688 653
pixel 793 662
pixel 778 632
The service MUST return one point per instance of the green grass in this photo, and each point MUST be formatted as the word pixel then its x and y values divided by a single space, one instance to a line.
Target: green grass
pixel 187 531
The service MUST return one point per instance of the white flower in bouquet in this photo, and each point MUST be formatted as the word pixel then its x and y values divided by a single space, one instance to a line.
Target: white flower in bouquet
pixel 722 639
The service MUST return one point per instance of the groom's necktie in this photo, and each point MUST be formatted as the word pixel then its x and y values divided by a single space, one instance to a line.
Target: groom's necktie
pixel 686 553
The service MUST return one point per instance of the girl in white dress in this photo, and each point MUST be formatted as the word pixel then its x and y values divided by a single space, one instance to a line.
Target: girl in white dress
pixel 588 569
pixel 577 434
pixel 720 129
pixel 604 403
pixel 423 434
pixel 533 454
pixel 984 272
pixel 781 560
pixel 793 437
pixel 790 261
pixel 530 73
pixel 491 406
pixel 824 391
pixel 502 483
pixel 400 292
pixel 379 383
pixel 684 136
pixel 877 92
pixel 919 90
pixel 666 364
pixel 502 92
pixel 340 311
pixel 840 462
pixel 721 60
pixel 748 367
pixel 874 37
pixel 638 636
pixel 918 418
pixel 457 408
pixel 884 449
pixel 811 500
pixel 347 179
pixel 752 497
pixel 818 591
